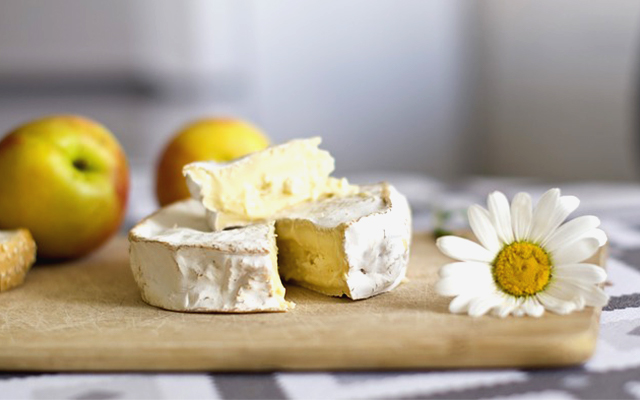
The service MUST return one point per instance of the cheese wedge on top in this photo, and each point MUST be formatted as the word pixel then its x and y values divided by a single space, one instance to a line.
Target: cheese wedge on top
pixel 179 264
pixel 259 185
pixel 355 245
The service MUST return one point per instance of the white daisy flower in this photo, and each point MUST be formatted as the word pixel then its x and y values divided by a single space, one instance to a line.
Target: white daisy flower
pixel 527 260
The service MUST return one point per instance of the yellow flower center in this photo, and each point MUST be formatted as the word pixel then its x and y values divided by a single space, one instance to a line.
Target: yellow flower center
pixel 522 269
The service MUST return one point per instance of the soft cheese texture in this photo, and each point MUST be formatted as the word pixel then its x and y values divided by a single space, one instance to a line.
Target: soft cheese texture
pixel 258 186
pixel 179 264
pixel 356 245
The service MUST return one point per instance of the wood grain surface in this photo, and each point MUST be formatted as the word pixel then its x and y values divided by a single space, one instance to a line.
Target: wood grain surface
pixel 88 315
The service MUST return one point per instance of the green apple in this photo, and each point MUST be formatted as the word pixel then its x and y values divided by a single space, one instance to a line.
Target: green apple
pixel 66 179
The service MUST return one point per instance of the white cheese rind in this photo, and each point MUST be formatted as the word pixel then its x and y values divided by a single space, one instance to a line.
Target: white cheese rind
pixel 180 265
pixel 377 247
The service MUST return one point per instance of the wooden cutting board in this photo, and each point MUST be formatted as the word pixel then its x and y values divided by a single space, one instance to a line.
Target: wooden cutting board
pixel 88 315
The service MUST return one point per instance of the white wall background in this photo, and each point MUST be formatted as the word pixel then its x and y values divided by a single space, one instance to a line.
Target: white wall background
pixel 386 84
pixel 559 88
pixel 446 88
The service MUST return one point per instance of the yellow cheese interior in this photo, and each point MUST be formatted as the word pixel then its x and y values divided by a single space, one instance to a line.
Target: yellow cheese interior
pixel 263 183
pixel 312 256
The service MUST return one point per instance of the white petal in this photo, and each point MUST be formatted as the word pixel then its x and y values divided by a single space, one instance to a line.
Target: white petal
pixel 464 249
pixel 584 273
pixel 575 252
pixel 483 228
pixel 547 203
pixel 580 303
pixel 570 232
pixel 465 268
pixel 521 215
pixel 594 296
pixel 599 235
pixel 509 303
pixel 570 203
pixel 551 211
pixel 481 305
pixel 533 308
pixel 561 290
pixel 555 305
pixel 460 304
pixel 456 285
pixel 500 213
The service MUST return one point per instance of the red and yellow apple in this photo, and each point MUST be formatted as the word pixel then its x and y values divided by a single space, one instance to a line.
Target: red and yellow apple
pixel 66 179
pixel 217 139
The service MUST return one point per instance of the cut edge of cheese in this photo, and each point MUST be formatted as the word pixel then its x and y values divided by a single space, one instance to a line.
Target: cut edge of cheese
pixel 259 185
pixel 179 264
pixel 356 245
pixel 17 255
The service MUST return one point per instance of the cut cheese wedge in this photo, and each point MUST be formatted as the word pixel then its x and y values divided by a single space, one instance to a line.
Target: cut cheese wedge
pixel 260 185
pixel 179 264
pixel 356 245
pixel 17 255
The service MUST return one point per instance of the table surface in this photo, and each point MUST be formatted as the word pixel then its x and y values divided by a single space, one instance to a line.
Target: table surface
pixel 613 371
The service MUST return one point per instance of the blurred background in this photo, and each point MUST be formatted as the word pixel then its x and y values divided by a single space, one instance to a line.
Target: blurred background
pixel 443 89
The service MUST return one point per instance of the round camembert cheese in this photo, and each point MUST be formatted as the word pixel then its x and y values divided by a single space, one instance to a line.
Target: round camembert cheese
pixel 219 252
pixel 180 264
